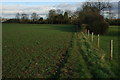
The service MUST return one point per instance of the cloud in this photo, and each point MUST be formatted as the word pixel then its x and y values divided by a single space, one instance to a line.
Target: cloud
pixel 56 0
pixel 13 9
pixel 42 10
pixel 43 0
pixel 66 6
pixel 9 11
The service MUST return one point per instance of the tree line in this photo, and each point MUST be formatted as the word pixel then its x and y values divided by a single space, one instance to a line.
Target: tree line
pixel 88 17
pixel 58 17
pixel 34 18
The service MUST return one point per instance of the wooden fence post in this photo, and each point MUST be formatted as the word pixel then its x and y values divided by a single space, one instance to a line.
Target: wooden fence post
pixel 92 36
pixel 88 33
pixel 111 49
pixel 98 41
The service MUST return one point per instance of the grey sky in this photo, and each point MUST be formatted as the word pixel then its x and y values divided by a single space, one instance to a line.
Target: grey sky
pixel 9 9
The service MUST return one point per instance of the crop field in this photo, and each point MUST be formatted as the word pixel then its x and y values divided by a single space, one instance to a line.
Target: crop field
pixel 32 50
pixel 57 51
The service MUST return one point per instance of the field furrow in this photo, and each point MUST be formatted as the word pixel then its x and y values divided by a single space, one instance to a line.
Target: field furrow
pixel 33 50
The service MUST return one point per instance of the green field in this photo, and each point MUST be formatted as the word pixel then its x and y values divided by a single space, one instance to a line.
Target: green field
pixel 113 34
pixel 32 50
pixel 86 59
pixel 56 51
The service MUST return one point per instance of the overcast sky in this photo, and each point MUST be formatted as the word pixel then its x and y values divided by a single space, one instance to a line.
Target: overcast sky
pixel 54 0
pixel 9 9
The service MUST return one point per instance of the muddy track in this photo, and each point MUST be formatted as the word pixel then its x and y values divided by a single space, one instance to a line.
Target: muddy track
pixel 62 61
pixel 60 66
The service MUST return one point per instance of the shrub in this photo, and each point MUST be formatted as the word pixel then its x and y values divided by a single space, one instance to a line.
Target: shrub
pixel 83 27
pixel 95 22
pixel 99 27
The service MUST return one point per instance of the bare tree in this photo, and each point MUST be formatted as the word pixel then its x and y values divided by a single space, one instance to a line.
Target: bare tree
pixel 17 16
pixel 51 15
pixel 101 5
pixel 70 13
pixel 24 16
pixel 59 11
pixel 34 16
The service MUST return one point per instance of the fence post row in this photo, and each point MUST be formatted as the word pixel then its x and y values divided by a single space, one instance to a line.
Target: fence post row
pixel 98 40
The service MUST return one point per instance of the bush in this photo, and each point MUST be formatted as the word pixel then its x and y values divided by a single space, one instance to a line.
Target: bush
pixel 99 27
pixel 95 22
pixel 83 27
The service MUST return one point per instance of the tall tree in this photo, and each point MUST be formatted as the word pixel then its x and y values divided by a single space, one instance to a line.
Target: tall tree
pixel 59 11
pixel 17 16
pixel 51 15
pixel 90 15
pixel 60 18
pixel 100 5
pixel 34 16
pixel 70 13
pixel 24 16
pixel 66 19
pixel 41 19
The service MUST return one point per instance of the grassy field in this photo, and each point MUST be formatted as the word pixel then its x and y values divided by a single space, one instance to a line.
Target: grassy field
pixel 56 51
pixel 85 61
pixel 32 50
pixel 113 34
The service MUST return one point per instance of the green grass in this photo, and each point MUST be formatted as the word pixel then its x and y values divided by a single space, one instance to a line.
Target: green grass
pixel 33 50
pixel 85 61
pixel 76 66
pixel 113 34
pixel 98 67
pixel 57 51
